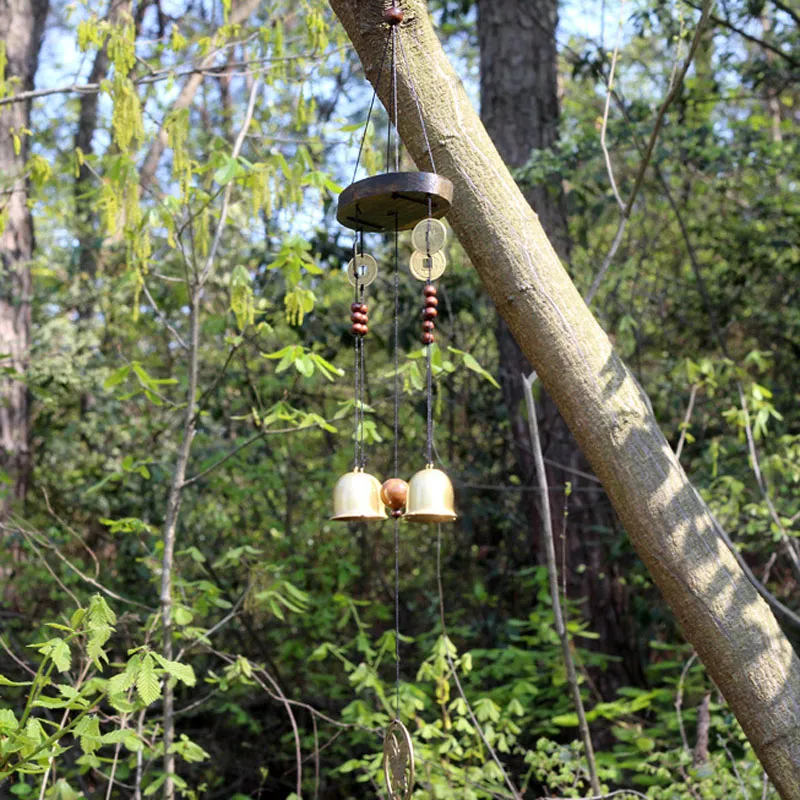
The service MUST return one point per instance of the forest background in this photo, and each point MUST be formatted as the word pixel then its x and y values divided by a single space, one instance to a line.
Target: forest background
pixel 179 617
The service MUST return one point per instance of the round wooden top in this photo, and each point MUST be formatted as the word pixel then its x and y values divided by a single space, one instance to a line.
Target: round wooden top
pixel 373 203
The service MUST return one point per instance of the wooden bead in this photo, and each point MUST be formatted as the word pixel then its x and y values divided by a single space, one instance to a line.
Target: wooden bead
pixel 429 313
pixel 355 307
pixel 359 330
pixel 393 15
pixel 429 290
pixel 361 319
pixel 428 326
pixel 427 338
pixel 363 308
pixel 394 493
pixel 431 302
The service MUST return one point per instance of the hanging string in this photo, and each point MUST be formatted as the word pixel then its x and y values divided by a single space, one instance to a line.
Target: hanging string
pixel 362 398
pixel 397 461
pixel 417 104
pixel 371 106
pixel 395 39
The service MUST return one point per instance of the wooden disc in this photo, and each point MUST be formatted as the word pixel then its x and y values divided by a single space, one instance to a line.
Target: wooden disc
pixel 374 203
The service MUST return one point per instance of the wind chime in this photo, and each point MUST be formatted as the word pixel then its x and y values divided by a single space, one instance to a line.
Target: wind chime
pixel 389 203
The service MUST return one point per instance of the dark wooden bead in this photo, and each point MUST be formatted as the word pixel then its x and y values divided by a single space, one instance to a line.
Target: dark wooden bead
pixel 355 307
pixel 429 313
pixel 431 302
pixel 393 15
pixel 427 338
pixel 361 319
pixel 394 493
pixel 428 326
pixel 429 290
pixel 362 308
pixel 359 330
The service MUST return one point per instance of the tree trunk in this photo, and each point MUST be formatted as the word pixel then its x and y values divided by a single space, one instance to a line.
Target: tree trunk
pixel 731 627
pixel 520 110
pixel 21 26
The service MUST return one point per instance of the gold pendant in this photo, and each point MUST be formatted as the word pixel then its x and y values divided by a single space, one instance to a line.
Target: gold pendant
pixel 398 761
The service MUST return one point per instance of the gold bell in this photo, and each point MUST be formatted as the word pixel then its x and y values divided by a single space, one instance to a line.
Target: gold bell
pixel 430 497
pixel 357 496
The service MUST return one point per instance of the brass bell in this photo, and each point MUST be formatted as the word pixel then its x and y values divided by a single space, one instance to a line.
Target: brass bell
pixel 430 497
pixel 357 497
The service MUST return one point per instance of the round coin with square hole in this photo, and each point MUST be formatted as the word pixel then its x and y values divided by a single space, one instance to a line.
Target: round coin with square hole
pixel 429 235
pixel 427 268
pixel 363 269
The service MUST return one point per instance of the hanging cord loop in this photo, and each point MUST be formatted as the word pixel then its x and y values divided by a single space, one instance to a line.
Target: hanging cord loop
pixel 393 17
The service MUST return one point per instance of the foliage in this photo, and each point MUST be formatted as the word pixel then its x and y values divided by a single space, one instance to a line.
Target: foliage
pixel 283 624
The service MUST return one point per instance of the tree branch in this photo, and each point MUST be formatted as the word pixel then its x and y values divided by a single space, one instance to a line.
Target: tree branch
pixel 552 574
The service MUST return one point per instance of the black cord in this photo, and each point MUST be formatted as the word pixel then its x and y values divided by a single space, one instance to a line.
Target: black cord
pixel 371 106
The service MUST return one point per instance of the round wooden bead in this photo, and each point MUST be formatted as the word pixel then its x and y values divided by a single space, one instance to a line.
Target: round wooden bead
pixel 427 338
pixel 363 308
pixel 394 493
pixel 355 307
pixel 393 15
pixel 431 302
pixel 428 326
pixel 429 290
pixel 359 329
pixel 429 313
pixel 361 319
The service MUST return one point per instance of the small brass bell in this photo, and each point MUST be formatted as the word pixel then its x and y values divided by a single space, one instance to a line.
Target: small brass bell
pixel 430 497
pixel 357 497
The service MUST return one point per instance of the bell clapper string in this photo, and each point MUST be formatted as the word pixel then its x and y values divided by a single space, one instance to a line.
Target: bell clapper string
pixel 397 461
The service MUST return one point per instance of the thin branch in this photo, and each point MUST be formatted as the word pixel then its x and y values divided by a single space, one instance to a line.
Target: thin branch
pixel 686 419
pixel 618 793
pixel 513 789
pixel 679 701
pixel 237 148
pixel 787 10
pixel 552 572
pixel 750 38
pixel 760 588
pixel 673 93
pixel 625 210
pixel 237 16
pixel 604 129
pixel 788 542
pixel 160 314
pixel 742 787
pixel 238 449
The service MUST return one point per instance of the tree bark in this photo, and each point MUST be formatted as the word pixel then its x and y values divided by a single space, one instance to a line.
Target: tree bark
pixel 21 26
pixel 722 615
pixel 520 110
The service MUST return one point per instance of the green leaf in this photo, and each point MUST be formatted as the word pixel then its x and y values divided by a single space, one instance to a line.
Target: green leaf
pixel 7 682
pixel 117 377
pixel 183 672
pixel 148 685
pixel 227 171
